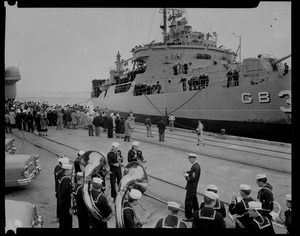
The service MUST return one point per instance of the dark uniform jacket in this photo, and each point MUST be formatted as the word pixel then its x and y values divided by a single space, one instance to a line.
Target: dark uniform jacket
pixel 193 178
pixel 240 208
pixel 65 189
pixel 97 121
pixel 130 219
pixel 170 221
pixel 104 208
pixel 219 207
pixel 208 218
pixel 78 197
pixel 262 224
pixel 288 220
pixel 57 174
pixel 135 155
pixel 265 196
pixel 161 126
pixel 112 158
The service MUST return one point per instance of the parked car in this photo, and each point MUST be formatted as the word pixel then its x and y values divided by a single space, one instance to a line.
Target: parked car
pixel 21 169
pixel 21 214
pixel 10 145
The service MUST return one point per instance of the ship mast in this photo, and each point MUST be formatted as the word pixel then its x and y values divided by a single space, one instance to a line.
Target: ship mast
pixel 164 26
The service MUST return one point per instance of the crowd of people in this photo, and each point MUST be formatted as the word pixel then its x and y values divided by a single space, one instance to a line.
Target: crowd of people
pixel 247 211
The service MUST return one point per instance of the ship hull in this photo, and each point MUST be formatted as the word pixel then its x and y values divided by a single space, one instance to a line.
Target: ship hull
pixel 258 111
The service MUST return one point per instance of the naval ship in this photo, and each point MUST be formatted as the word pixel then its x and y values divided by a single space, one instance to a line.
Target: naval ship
pixel 11 76
pixel 188 75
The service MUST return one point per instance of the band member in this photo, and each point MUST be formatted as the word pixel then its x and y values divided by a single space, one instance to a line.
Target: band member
pixel 206 217
pixel 130 218
pixel 172 220
pixel 57 174
pixel 288 214
pixel 79 165
pixel 265 194
pixel 65 191
pixel 115 167
pixel 103 205
pixel 192 177
pixel 239 206
pixel 134 154
pixel 259 222
pixel 79 205
pixel 219 206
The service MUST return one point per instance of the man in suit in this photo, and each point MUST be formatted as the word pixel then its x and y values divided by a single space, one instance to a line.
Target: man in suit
pixel 192 177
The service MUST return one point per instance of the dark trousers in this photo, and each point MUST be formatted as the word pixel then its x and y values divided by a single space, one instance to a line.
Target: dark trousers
pixel 191 204
pixel 91 130
pixel 127 138
pixel 83 220
pixel 115 175
pixel 161 135
pixel 30 126
pixel 65 219
pixel 8 127
pixel 110 132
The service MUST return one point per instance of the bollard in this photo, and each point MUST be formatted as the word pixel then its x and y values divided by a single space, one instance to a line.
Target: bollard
pixel 223 131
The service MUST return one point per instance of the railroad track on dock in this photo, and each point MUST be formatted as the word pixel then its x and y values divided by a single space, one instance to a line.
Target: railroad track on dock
pixel 278 223
pixel 227 145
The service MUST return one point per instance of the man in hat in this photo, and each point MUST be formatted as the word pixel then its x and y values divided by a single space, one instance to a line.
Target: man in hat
pixel 239 206
pixel 288 213
pixel 129 127
pixel 130 218
pixel 134 154
pixel 171 122
pixel 57 174
pixel 103 205
pixel 65 191
pixel 161 125
pixel 207 217
pixel 265 194
pixel 192 177
pixel 219 206
pixel 172 220
pixel 259 222
pixel 82 212
pixel 115 168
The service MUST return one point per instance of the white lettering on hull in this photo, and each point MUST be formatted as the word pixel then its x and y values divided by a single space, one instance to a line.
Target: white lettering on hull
pixel 264 97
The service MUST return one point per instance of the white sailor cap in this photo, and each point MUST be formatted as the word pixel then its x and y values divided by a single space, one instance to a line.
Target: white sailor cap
pixel 79 173
pixel 211 195
pixel 245 187
pixel 174 205
pixel 288 197
pixel 81 152
pixel 64 160
pixel 135 194
pixel 261 176
pixel 115 144
pixel 135 143
pixel 67 166
pixel 255 205
pixel 192 155
pixel 212 187
pixel 97 180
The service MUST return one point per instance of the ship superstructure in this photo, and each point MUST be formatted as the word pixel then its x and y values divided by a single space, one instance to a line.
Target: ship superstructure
pixel 188 74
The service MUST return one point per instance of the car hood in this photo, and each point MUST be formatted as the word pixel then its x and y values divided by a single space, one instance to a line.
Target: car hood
pixel 17 161
pixel 18 214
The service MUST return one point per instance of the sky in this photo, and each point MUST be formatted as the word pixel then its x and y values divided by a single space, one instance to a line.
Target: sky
pixel 64 49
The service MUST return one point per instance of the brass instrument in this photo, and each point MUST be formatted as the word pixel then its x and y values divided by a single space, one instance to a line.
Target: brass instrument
pixel 97 161
pixel 134 176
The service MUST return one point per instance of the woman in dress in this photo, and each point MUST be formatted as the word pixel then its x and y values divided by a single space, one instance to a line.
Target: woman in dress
pixel 44 125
